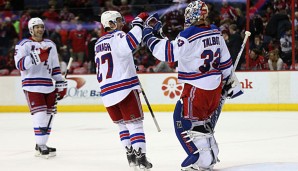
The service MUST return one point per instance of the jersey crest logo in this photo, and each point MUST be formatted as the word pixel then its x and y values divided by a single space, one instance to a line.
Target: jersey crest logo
pixel 180 42
pixel 171 87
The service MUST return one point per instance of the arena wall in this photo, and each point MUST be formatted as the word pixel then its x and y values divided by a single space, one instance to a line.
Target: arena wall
pixel 264 91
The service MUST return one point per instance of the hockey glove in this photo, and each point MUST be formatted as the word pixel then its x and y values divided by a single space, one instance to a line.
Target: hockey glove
pixel 61 89
pixel 154 22
pixel 233 88
pixel 139 20
pixel 34 57
pixel 44 54
pixel 147 34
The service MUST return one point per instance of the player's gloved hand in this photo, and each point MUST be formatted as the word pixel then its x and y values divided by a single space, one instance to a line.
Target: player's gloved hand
pixel 154 22
pixel 35 57
pixel 139 20
pixel 61 89
pixel 44 54
pixel 143 16
pixel 233 88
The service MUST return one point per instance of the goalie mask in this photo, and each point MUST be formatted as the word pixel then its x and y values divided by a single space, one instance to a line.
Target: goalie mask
pixel 195 11
pixel 110 16
pixel 33 22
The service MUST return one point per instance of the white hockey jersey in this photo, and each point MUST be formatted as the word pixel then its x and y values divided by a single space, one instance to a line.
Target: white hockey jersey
pixel 116 71
pixel 202 55
pixel 37 78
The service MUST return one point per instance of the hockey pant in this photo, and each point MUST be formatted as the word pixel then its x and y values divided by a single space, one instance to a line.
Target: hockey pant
pixel 132 134
pixel 197 139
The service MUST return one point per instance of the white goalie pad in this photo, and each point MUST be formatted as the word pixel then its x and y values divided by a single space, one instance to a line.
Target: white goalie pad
pixel 206 145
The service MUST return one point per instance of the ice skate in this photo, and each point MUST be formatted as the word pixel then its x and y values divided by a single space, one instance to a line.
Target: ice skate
pixel 142 161
pixel 131 157
pixel 193 168
pixel 44 151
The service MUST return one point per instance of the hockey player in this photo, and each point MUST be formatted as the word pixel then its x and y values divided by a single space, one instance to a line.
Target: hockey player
pixel 119 84
pixel 37 60
pixel 204 66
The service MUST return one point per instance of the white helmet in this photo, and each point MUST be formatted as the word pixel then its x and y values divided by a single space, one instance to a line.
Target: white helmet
pixel 33 22
pixel 195 11
pixel 109 16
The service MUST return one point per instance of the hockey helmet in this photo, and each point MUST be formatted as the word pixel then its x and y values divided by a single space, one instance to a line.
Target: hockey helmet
pixel 195 11
pixel 110 16
pixel 33 22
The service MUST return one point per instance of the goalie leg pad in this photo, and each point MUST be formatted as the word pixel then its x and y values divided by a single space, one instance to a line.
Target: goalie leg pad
pixel 181 125
pixel 202 136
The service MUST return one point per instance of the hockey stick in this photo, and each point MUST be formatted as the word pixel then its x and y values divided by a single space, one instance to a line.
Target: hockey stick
pixel 54 110
pixel 149 107
pixel 217 112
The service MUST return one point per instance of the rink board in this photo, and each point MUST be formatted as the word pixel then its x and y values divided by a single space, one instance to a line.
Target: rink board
pixel 264 91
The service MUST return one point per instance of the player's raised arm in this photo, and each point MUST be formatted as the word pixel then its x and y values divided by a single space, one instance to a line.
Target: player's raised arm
pixel 162 48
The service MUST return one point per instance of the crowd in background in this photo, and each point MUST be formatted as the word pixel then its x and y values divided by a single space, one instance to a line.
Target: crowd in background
pixel 71 25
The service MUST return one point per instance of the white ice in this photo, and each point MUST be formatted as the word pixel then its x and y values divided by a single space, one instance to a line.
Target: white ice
pixel 248 141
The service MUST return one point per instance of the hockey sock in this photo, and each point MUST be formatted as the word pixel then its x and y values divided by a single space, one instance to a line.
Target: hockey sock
pixel 124 135
pixel 40 123
pixel 137 136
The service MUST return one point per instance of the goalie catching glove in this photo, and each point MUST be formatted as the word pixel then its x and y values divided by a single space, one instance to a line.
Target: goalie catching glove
pixel 61 89
pixel 38 56
pixel 232 87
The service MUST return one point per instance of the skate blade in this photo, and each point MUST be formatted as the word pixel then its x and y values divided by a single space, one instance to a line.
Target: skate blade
pixel 143 168
pixel 137 168
pixel 42 156
pixel 47 156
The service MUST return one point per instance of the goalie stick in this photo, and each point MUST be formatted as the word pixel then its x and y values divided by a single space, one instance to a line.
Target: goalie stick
pixel 217 112
pixel 54 110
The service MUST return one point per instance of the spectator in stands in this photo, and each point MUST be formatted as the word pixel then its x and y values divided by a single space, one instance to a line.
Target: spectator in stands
pixel 95 34
pixel 7 35
pixel 77 38
pixel 275 63
pixel 256 60
pixel 66 15
pixel 64 32
pixel 277 24
pixel 233 42
pixel 227 12
pixel 173 19
pixel 51 15
pixel 213 15
pixel 286 47
pixel 56 38
pixel 258 44
pixel 255 26
pixel 125 11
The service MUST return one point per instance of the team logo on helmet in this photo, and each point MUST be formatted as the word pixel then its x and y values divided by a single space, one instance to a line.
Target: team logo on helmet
pixel 195 11
pixel 171 87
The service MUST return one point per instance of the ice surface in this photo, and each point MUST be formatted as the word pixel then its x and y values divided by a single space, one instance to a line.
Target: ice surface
pixel 248 141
